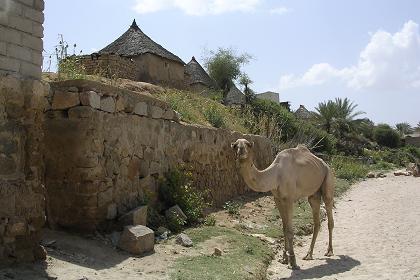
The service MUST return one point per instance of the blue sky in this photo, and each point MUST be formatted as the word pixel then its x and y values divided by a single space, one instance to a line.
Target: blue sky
pixel 307 50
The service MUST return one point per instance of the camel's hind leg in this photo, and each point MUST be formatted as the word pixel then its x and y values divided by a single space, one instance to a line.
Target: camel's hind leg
pixel 315 202
pixel 327 190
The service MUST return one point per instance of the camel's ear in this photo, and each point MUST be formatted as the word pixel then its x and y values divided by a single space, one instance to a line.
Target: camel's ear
pixel 233 145
pixel 250 143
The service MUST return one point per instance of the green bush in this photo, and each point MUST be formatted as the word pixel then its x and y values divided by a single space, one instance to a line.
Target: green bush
pixel 348 168
pixel 70 68
pixel 386 136
pixel 274 121
pixel 232 207
pixel 214 117
pixel 177 188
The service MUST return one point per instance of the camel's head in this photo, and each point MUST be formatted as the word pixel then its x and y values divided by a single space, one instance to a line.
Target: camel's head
pixel 242 148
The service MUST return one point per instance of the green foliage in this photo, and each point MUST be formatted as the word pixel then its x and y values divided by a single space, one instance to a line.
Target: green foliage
pixel 384 135
pixel 337 116
pixel 348 168
pixel 404 128
pixel 272 120
pixel 399 157
pixel 192 108
pixel 177 188
pixel 210 220
pixel 214 117
pixel 243 249
pixel 224 66
pixel 70 69
pixel 232 207
pixel 175 223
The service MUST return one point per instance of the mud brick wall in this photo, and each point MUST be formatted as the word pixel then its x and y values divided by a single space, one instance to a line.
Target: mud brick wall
pixel 110 66
pixel 107 148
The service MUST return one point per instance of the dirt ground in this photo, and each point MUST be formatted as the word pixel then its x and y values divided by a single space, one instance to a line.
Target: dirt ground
pixel 376 235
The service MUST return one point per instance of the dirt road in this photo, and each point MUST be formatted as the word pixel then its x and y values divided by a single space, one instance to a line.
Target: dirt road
pixel 376 235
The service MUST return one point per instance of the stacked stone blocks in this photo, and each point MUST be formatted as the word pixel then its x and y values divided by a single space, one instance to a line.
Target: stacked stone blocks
pixel 21 35
pixel 108 147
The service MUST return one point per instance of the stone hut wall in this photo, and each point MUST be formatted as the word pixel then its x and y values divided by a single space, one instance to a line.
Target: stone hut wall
pixel 22 100
pixel 107 148
pixel 158 70
pixel 110 66
pixel 413 140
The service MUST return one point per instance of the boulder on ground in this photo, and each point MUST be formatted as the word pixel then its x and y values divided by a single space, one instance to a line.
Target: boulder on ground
pixel 137 239
pixel 137 216
pixel 184 240
pixel 370 175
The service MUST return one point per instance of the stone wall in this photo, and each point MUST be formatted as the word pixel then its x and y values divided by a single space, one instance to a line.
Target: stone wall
pixel 21 35
pixel 22 101
pixel 110 66
pixel 22 191
pixel 107 148
pixel 413 140
pixel 158 70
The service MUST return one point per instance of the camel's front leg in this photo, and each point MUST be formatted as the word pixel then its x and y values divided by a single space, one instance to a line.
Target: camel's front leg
pixel 285 259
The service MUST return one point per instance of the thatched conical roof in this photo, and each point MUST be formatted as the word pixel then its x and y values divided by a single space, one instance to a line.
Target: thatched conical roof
pixel 134 42
pixel 303 113
pixel 197 74
pixel 234 96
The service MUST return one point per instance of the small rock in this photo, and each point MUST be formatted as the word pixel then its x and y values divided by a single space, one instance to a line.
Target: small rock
pixel 217 252
pixel 137 239
pixel 370 175
pixel 381 175
pixel 90 98
pixel 140 109
pixel 184 240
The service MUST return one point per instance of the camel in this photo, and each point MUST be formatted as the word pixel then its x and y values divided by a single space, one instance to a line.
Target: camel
pixel 295 173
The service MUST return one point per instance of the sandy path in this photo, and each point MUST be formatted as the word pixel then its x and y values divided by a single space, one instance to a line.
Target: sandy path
pixel 376 235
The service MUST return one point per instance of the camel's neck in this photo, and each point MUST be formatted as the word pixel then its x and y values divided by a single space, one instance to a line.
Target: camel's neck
pixel 259 181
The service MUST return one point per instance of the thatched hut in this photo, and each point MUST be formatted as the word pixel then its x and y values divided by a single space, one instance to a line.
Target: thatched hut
pixel 153 63
pixel 196 78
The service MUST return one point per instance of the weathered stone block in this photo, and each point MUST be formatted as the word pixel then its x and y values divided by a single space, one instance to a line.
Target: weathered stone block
pixel 3 50
pixel 21 23
pixel 33 14
pixel 119 104
pixel 156 112
pixel 175 212
pixel 140 109
pixel 137 216
pixel 16 229
pixel 108 104
pixel 30 70
pixel 81 112
pixel 90 98
pixel 137 240
pixel 9 64
pixel 65 100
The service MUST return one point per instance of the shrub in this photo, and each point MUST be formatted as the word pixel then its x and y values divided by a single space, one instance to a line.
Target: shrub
pixel 70 68
pixel 386 136
pixel 177 188
pixel 232 207
pixel 214 117
pixel 348 168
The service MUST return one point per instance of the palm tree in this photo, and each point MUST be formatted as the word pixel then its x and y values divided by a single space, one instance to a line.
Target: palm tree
pixel 404 128
pixel 337 116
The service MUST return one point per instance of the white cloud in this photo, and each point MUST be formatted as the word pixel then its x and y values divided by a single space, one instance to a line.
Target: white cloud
pixel 388 62
pixel 280 10
pixel 196 7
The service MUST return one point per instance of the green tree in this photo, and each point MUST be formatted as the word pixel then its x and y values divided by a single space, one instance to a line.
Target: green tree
pixel 404 128
pixel 249 93
pixel 337 116
pixel 386 136
pixel 224 66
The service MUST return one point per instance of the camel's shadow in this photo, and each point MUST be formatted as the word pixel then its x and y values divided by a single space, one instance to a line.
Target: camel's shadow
pixel 331 267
